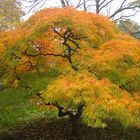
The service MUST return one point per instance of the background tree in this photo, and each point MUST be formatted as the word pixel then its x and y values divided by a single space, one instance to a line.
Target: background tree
pixel 10 14
pixel 130 27
pixel 111 8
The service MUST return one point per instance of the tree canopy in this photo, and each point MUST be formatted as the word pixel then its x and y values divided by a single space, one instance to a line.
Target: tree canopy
pixel 98 65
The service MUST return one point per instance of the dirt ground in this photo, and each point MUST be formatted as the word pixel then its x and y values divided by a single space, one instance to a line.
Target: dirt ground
pixel 60 130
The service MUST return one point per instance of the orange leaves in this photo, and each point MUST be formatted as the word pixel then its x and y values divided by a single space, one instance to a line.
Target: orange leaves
pixel 60 33
pixel 26 65
pixel 116 49
pixel 97 28
pixel 122 52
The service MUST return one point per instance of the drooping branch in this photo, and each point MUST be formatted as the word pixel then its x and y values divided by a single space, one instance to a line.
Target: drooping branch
pixel 65 111
pixel 15 56
pixel 71 113
pixel 41 54
pixel 61 111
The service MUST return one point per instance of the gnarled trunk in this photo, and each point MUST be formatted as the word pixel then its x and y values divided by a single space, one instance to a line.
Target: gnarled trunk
pixel 74 117
pixel 74 122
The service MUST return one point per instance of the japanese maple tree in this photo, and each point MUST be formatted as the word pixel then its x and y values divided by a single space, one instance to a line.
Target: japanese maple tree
pixel 98 65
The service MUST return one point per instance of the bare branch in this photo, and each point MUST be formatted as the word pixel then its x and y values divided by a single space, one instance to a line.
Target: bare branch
pixel 122 8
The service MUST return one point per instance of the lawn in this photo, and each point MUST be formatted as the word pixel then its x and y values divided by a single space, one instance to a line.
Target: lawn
pixel 20 105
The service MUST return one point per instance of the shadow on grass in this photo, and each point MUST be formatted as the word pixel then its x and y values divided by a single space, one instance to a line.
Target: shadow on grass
pixel 60 130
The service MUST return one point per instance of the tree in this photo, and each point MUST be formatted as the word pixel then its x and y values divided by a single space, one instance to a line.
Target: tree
pixel 10 14
pixel 109 5
pixel 111 8
pixel 136 2
pixel 98 66
pixel 35 5
pixel 130 27
pixel 82 96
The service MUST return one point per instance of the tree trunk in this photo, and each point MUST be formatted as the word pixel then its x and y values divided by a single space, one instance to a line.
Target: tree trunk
pixel 63 3
pixel 74 127
pixel 85 8
pixel 97 10
pixel 97 6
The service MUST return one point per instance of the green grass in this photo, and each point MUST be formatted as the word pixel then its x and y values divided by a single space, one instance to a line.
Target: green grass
pixel 14 107
pixel 16 104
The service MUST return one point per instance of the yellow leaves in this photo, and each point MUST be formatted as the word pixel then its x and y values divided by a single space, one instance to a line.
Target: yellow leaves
pixel 126 103
pixel 70 87
pixel 16 83
pixel 101 97
pixel 2 48
pixel 84 86
pixel 9 38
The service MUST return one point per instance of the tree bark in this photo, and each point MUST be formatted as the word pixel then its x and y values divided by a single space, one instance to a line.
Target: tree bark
pixel 73 116
pixel 74 122
pixel 63 3
pixel 74 127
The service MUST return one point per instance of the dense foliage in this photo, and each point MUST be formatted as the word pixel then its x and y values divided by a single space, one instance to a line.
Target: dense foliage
pixel 97 69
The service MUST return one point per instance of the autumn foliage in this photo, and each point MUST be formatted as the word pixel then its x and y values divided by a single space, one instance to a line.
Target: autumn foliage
pixel 99 69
